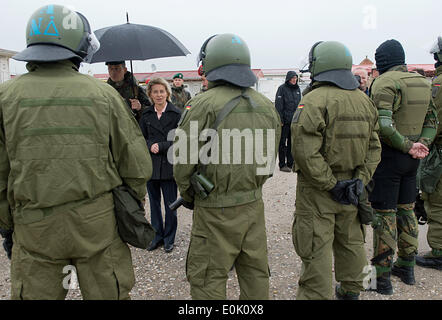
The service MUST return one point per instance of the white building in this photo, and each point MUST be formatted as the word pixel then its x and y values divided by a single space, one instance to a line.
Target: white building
pixel 4 64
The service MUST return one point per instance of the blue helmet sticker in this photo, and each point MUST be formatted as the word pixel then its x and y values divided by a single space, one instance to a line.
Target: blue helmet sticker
pixel 35 29
pixel 51 28
pixel 49 9
pixel 55 31
pixel 236 40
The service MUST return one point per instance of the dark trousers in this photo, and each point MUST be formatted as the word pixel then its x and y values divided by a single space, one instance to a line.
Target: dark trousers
pixel 167 232
pixel 395 180
pixel 285 147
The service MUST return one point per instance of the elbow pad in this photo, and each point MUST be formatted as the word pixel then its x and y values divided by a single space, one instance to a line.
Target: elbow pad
pixel 389 132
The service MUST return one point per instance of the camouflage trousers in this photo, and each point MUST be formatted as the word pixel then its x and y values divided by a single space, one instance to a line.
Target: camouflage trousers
pixel 52 247
pixel 433 207
pixel 395 228
pixel 323 228
pixel 226 237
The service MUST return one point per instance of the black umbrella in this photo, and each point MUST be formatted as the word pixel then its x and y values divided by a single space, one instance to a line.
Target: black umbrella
pixel 136 42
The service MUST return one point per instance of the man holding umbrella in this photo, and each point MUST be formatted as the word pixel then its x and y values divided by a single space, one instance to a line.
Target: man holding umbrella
pixel 128 42
pixel 125 83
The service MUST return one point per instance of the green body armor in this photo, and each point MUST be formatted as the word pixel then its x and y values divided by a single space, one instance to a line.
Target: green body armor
pixel 412 103
pixel 403 100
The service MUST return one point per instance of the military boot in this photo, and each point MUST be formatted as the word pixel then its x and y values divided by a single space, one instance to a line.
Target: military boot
pixel 430 260
pixel 345 295
pixel 405 273
pixel 383 284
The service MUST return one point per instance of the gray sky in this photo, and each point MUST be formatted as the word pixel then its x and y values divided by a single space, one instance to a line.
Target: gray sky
pixel 279 33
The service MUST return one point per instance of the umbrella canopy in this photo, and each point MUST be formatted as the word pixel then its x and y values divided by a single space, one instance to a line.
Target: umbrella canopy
pixel 136 42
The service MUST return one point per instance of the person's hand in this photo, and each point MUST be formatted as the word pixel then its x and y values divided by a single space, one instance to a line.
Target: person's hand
pixel 418 151
pixel 338 192
pixel 136 105
pixel 354 190
pixel 155 148
pixel 188 205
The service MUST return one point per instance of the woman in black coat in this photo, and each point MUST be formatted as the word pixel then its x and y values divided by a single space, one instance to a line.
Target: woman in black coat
pixel 156 122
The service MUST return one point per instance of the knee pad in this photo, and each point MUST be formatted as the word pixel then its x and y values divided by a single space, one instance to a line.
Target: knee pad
pixel 408 229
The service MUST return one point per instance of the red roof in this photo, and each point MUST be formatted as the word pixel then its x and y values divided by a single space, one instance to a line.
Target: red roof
pixel 367 62
pixel 188 75
pixel 425 67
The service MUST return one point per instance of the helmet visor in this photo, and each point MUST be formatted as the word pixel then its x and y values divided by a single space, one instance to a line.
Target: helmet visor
pixel 437 46
pixel 202 53
pixel 94 46
pixel 310 55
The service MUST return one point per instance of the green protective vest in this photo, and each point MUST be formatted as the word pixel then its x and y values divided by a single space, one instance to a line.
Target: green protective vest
pixel 235 183
pixel 406 94
pixel 67 137
pixel 436 93
pixel 335 137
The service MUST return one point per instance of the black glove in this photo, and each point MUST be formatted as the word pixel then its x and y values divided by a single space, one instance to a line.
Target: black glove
pixel 419 210
pixel 354 190
pixel 7 242
pixel 339 191
pixel 188 205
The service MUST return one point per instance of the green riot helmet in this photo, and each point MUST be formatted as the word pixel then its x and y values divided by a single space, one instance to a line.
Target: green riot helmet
pixel 436 49
pixel 57 33
pixel 331 61
pixel 227 57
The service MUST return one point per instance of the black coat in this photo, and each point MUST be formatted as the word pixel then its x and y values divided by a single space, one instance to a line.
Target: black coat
pixel 287 99
pixel 156 131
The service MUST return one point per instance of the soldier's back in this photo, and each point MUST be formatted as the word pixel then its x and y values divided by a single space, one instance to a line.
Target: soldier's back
pixel 236 172
pixel 349 117
pixel 58 122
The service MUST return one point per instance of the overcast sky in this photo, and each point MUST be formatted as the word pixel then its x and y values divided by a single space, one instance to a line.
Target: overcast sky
pixel 279 33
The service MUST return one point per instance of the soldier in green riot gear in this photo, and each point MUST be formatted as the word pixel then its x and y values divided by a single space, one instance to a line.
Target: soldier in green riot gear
pixel 228 221
pixel 407 121
pixel 433 200
pixel 336 149
pixel 66 140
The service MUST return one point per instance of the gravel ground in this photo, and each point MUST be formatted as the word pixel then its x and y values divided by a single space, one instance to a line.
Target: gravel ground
pixel 161 276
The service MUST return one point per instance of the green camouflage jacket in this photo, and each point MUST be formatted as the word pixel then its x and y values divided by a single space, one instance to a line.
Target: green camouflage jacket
pixel 129 89
pixel 180 97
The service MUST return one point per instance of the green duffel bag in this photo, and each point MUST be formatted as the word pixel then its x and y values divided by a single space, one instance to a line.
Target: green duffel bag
pixel 133 227
pixel 430 170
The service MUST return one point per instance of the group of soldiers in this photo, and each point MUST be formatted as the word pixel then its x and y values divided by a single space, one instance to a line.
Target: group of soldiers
pixel 67 140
